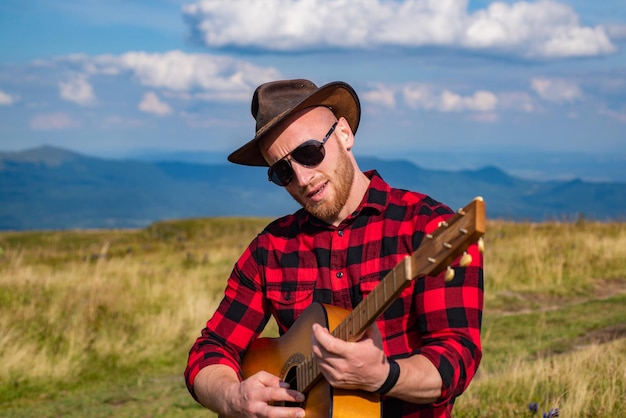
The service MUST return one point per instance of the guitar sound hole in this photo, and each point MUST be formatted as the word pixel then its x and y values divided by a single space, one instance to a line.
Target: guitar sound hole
pixel 291 378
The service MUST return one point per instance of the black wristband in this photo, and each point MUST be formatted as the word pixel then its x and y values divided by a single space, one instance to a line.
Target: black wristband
pixel 392 378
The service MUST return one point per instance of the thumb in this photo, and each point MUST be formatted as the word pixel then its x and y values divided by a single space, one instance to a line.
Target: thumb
pixel 373 332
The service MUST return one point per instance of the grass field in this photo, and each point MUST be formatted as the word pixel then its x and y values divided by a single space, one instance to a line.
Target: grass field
pixel 99 323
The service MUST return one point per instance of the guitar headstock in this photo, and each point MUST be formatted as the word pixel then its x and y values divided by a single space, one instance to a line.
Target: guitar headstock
pixel 450 240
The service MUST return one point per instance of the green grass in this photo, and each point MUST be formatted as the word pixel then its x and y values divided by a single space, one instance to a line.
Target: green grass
pixel 99 323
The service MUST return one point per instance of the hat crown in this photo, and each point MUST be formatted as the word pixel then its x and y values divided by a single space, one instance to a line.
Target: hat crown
pixel 271 100
pixel 274 102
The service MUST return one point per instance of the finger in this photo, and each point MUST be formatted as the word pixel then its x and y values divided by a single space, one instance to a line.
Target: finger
pixel 269 402
pixel 279 390
pixel 319 330
pixel 327 343
pixel 284 395
pixel 269 380
pixel 281 412
pixel 265 409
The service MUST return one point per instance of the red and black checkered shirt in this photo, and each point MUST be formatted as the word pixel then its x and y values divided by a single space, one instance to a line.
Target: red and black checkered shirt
pixel 298 260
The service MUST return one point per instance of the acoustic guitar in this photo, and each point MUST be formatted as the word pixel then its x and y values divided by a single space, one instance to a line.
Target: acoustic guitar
pixel 289 356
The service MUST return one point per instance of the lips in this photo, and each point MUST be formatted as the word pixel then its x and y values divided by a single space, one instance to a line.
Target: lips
pixel 316 191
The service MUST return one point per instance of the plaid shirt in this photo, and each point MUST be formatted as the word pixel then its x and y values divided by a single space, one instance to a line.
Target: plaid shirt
pixel 298 260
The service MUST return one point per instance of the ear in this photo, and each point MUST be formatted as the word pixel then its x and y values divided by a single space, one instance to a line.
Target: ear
pixel 344 134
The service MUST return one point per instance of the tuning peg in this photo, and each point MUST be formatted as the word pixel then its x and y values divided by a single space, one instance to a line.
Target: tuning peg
pixel 481 245
pixel 466 259
pixel 449 274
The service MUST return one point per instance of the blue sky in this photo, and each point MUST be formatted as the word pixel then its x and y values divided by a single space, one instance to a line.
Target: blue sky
pixel 444 83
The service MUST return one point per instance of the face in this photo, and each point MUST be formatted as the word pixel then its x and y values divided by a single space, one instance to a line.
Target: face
pixel 323 189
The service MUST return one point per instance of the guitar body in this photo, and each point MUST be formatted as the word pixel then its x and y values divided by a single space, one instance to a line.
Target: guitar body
pixel 280 356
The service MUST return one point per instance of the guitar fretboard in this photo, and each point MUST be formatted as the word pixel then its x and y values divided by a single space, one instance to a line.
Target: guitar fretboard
pixel 450 240
pixel 356 323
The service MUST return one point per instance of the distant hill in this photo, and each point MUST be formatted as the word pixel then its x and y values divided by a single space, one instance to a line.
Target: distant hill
pixel 52 188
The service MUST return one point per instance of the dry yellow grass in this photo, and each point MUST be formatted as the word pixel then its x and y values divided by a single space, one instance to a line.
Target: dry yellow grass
pixel 529 263
pixel 583 383
pixel 79 309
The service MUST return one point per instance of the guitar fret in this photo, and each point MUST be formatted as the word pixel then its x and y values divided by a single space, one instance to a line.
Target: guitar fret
pixel 310 371
pixel 301 375
pixel 352 321
pixel 375 301
pixel 385 289
pixel 349 328
pixel 306 373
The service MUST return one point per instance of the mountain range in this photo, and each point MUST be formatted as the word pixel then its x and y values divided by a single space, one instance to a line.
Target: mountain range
pixel 54 188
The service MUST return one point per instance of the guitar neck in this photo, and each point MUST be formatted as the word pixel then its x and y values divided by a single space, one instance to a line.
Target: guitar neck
pixel 357 321
pixel 383 295
pixel 437 251
pixel 434 254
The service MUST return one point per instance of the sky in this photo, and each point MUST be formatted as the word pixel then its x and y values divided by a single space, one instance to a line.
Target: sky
pixel 524 85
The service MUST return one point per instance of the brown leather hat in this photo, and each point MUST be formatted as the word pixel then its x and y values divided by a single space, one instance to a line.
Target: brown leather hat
pixel 274 101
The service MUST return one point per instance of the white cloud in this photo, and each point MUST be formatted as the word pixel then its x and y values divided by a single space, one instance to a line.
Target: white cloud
pixel 544 28
pixel 426 97
pixel 151 104
pixel 189 76
pixel 541 29
pixel 226 77
pixel 419 96
pixel 174 75
pixel 516 100
pixel 78 90
pixel 481 101
pixel 381 95
pixel 52 122
pixel 6 99
pixel 556 90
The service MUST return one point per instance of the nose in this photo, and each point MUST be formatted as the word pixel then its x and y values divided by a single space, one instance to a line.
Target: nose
pixel 302 175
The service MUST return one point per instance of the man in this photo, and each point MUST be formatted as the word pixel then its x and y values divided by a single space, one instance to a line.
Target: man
pixel 352 229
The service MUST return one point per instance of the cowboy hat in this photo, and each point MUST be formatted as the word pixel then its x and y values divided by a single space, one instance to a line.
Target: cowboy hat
pixel 273 102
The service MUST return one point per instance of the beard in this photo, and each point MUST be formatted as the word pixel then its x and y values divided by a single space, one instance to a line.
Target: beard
pixel 343 177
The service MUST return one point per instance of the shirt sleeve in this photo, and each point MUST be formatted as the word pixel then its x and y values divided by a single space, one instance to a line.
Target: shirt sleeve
pixel 238 320
pixel 450 318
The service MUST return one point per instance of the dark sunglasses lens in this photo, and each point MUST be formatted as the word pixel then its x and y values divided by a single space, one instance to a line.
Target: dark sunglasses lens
pixel 309 154
pixel 281 173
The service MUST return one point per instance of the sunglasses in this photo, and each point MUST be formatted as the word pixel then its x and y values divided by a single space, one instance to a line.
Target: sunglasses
pixel 308 154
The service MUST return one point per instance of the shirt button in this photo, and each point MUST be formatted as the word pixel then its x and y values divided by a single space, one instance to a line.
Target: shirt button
pixel 288 296
pixel 340 233
pixel 339 274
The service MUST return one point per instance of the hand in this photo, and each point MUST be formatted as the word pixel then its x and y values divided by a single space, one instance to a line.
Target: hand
pixel 351 365
pixel 252 397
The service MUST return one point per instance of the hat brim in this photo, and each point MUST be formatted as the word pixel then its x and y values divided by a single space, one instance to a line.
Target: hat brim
pixel 340 97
